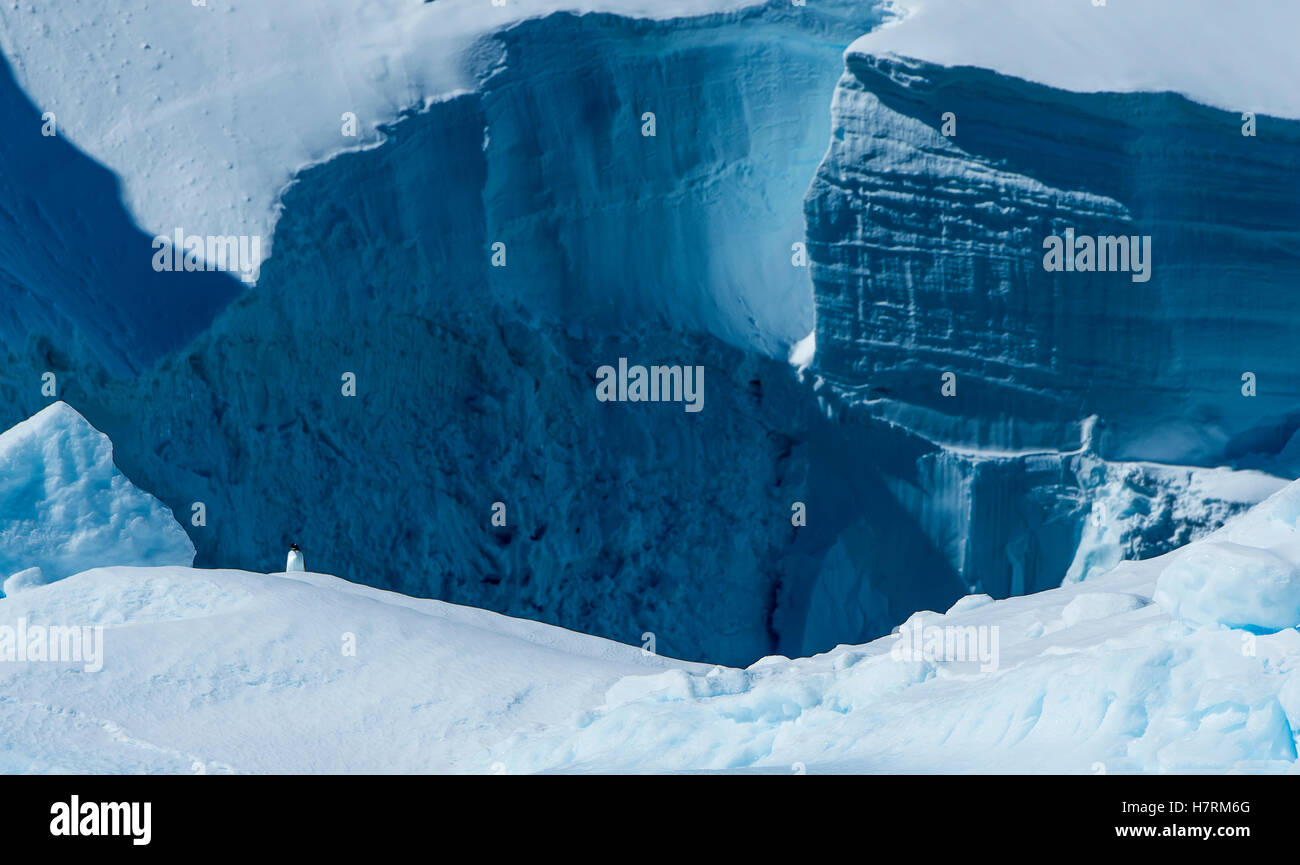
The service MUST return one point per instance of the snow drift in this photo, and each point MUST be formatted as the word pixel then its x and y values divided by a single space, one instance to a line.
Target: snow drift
pixel 280 673
pixel 309 673
pixel 1091 678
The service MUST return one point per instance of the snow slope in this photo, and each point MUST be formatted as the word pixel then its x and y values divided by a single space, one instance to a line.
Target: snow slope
pixel 229 671
pixel 1088 679
pixel 78 279
pixel 64 507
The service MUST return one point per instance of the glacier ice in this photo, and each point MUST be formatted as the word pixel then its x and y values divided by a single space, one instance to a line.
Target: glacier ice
pixel 1078 413
pixel 1092 421
pixel 475 383
pixel 65 508
pixel 927 254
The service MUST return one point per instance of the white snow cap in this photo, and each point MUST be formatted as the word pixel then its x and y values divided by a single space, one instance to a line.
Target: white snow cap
pixel 206 112
pixel 1235 56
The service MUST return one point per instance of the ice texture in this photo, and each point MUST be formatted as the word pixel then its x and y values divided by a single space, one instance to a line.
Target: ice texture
pixel 927 258
pixel 1095 420
pixel 1233 585
pixel 64 507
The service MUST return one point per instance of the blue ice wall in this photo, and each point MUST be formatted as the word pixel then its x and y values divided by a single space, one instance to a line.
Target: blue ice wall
pixel 475 384
pixel 691 227
pixel 77 285
pixel 928 258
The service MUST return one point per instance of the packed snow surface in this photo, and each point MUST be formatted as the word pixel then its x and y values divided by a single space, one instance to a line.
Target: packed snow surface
pixel 1239 57
pixel 309 673
pixel 64 507
pixel 230 671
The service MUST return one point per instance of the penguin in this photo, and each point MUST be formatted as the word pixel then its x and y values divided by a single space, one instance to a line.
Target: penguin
pixel 295 562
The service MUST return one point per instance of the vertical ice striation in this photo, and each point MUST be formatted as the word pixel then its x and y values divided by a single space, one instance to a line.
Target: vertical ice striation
pixel 927 224
pixel 928 258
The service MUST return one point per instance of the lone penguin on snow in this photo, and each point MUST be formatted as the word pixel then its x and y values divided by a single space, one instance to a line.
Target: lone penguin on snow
pixel 295 562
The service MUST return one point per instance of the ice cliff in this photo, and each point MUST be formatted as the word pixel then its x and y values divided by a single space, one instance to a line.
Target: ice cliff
pixel 1065 401
pixel 475 383
pixel 1090 415
pixel 928 259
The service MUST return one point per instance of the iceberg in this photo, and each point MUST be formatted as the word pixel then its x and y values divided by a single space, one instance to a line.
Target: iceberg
pixel 476 384
pixel 534 192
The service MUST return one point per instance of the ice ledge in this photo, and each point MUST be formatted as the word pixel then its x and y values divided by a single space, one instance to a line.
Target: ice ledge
pixel 1234 57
